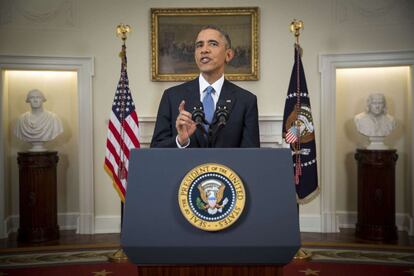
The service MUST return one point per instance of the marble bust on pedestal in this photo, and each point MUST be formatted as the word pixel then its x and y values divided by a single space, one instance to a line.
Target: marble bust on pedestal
pixel 375 123
pixel 38 125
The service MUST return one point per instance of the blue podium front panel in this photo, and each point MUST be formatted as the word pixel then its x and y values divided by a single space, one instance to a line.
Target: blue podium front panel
pixel 156 232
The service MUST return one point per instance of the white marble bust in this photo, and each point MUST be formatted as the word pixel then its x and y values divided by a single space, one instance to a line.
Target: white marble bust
pixel 375 122
pixel 38 125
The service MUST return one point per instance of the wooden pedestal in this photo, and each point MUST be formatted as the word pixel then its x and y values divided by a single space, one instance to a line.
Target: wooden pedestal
pixel 38 196
pixel 376 195
pixel 207 270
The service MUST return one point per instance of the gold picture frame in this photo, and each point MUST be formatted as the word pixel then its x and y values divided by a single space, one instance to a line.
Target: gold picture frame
pixel 173 32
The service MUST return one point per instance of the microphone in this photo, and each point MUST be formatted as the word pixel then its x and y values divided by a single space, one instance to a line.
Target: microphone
pixel 222 113
pixel 197 115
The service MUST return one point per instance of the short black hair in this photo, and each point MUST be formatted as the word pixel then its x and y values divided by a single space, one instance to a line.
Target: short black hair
pixel 220 30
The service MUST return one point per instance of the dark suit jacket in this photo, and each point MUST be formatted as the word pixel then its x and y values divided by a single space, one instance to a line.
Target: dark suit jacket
pixel 241 129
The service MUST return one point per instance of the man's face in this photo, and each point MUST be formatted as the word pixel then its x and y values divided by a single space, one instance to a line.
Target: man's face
pixel 211 52
pixel 35 100
pixel 377 106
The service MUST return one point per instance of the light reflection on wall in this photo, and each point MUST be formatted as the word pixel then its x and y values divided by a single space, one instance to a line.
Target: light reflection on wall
pixel 353 86
pixel 373 71
pixel 60 89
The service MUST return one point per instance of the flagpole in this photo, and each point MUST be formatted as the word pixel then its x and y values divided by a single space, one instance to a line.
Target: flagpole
pixel 121 31
pixel 295 27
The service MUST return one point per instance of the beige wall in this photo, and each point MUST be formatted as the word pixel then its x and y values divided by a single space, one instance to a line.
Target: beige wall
pixel 60 90
pixel 352 89
pixel 87 28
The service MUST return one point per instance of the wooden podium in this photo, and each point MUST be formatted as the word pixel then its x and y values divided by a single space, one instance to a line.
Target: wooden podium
pixel 376 195
pixel 38 192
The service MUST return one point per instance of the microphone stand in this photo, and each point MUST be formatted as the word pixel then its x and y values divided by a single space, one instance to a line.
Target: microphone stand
pixel 198 116
pixel 213 133
pixel 222 115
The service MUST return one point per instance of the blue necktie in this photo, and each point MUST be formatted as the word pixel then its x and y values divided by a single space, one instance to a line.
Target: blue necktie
pixel 208 105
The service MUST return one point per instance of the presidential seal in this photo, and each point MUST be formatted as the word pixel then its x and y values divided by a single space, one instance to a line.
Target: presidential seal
pixel 302 122
pixel 211 197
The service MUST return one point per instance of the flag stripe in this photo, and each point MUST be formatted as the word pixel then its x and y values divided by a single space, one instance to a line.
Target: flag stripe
pixel 115 185
pixel 130 128
pixel 113 156
pixel 118 183
pixel 115 138
pixel 292 135
pixel 114 148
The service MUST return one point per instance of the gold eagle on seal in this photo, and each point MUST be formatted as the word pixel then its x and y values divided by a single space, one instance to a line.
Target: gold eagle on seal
pixel 211 193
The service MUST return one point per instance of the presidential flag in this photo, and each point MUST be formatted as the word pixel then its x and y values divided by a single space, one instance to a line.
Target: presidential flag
pixel 299 133
pixel 123 130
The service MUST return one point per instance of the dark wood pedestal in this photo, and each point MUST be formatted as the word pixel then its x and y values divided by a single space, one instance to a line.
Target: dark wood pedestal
pixel 38 196
pixel 376 195
pixel 207 270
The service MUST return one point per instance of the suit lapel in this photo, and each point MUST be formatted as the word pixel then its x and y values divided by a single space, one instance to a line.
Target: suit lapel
pixel 192 95
pixel 227 97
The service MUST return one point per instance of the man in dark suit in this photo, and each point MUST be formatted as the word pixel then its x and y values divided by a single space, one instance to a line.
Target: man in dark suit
pixel 175 127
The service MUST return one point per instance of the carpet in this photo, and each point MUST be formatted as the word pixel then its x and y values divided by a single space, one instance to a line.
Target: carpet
pixel 325 262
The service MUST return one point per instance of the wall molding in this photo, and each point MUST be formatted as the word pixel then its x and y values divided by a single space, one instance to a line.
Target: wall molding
pixel 349 219
pixel 87 223
pixel 66 221
pixel 112 224
pixel 270 127
pixel 70 221
pixel 328 63
pixel 84 66
pixel 411 227
pixel 107 224
pixel 55 15
pixel 310 223
pixel 365 14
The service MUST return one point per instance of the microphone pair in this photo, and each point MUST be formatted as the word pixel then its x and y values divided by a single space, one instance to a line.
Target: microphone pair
pixel 222 114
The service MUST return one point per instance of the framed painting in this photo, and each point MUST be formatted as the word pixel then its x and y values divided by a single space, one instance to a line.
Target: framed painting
pixel 173 33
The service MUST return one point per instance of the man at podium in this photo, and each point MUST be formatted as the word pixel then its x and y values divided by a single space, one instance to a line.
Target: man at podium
pixel 208 111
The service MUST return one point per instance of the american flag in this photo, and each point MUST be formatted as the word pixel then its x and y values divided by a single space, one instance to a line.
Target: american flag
pixel 291 135
pixel 123 130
